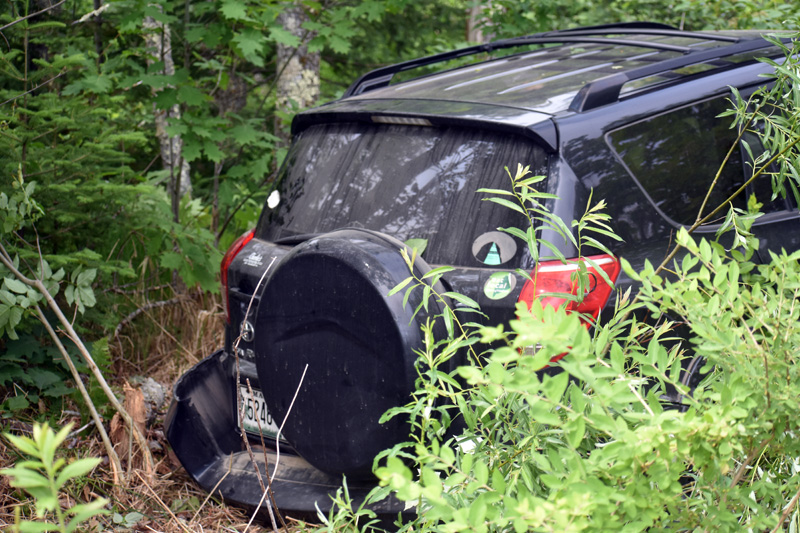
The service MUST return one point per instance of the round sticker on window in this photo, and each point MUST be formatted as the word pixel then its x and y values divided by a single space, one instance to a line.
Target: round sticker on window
pixel 494 248
pixel 499 285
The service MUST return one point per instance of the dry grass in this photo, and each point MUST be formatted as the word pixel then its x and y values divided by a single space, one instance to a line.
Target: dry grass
pixel 161 343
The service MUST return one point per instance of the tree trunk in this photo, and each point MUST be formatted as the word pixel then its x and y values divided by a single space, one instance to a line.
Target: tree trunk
pixel 159 49
pixel 478 24
pixel 298 70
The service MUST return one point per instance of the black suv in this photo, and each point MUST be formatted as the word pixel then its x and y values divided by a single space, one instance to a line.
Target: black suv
pixel 627 113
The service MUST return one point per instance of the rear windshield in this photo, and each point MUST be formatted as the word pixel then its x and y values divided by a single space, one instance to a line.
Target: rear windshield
pixel 410 182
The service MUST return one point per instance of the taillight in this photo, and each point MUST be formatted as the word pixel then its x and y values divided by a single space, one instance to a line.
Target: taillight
pixel 552 282
pixel 227 259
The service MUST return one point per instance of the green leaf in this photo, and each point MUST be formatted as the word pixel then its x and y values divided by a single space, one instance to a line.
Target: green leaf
pixel 24 444
pixel 284 37
pixel 83 512
pixel 448 322
pixel 508 204
pixel 462 299
pixel 35 527
pixel 191 95
pixel 86 277
pixel 438 271
pixel 85 298
pixel 15 285
pixel 541 413
pixel 417 244
pixel 191 150
pixel 397 288
pixel 481 472
pixel 212 151
pixel 17 403
pixel 250 43
pixel 231 9
pixel 76 469
pixel 43 378
pixel 575 432
pixel 338 45
pixel 97 84
pixel 244 134
pixel 172 260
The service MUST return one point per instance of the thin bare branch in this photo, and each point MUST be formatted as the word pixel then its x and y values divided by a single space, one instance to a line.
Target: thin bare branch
pixel 98 422
pixel 152 305
pixel 37 87
pixel 14 22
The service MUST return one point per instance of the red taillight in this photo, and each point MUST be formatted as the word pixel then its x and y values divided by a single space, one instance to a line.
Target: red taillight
pixel 227 259
pixel 551 279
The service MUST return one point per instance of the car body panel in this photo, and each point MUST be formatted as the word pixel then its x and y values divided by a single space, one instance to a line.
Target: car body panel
pixel 556 99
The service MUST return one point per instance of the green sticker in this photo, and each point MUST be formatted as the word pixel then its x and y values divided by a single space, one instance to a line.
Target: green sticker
pixel 499 285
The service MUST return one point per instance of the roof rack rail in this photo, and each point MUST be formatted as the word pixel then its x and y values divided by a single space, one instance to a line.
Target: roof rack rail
pixel 607 90
pixel 637 25
pixel 382 77
pixel 666 32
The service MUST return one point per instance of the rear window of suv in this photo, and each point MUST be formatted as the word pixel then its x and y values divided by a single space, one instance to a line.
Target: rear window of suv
pixel 410 182
pixel 675 157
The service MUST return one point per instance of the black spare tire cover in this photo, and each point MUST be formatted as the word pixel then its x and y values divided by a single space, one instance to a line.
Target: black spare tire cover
pixel 325 305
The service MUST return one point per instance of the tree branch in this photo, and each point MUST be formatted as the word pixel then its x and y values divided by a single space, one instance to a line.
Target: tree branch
pixel 98 422
pixel 31 15
pixel 87 357
pixel 38 86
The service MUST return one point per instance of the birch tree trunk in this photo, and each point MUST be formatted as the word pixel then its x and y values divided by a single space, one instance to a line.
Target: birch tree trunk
pixel 298 70
pixel 476 21
pixel 159 49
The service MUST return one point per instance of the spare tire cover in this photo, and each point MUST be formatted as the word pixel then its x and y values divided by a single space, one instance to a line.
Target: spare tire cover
pixel 325 305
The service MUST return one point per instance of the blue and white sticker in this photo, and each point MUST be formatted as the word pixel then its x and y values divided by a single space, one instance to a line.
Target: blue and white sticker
pixel 494 248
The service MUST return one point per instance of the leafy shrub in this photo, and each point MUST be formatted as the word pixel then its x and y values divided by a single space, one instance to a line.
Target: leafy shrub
pixel 45 477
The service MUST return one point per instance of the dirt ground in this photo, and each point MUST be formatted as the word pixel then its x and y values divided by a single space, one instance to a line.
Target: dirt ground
pixel 159 343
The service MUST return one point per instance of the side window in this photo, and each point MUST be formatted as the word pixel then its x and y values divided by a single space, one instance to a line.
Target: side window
pixel 675 157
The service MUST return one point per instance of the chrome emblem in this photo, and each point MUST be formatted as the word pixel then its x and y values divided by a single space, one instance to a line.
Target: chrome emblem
pixel 247 331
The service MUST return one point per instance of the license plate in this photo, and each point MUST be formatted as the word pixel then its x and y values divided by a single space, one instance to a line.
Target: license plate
pixel 253 412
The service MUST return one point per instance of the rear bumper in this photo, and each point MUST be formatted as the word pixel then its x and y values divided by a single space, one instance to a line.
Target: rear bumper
pixel 201 426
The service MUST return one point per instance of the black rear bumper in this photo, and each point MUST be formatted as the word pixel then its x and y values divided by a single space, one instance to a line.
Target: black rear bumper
pixel 201 426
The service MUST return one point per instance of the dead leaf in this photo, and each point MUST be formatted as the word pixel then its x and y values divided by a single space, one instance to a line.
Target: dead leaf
pixel 120 435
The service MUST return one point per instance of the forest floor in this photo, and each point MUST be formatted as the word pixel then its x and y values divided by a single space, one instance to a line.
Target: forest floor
pixel 161 344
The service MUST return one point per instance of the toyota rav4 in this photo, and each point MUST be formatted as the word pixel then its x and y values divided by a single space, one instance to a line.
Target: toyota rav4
pixel 627 113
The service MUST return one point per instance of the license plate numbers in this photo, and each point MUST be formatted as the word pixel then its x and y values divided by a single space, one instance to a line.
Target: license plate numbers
pixel 253 411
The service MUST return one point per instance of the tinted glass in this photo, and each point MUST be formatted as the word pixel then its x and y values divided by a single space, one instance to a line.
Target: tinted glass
pixel 762 186
pixel 675 157
pixel 405 181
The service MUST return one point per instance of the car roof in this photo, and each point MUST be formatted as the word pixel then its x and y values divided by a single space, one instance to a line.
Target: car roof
pixel 569 70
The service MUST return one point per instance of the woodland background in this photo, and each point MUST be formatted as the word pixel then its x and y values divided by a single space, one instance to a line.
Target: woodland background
pixel 152 130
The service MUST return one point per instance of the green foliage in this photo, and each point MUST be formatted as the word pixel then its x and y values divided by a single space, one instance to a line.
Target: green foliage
pixel 31 371
pixel 45 477
pixel 593 448
pixel 510 18
pixel 343 516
